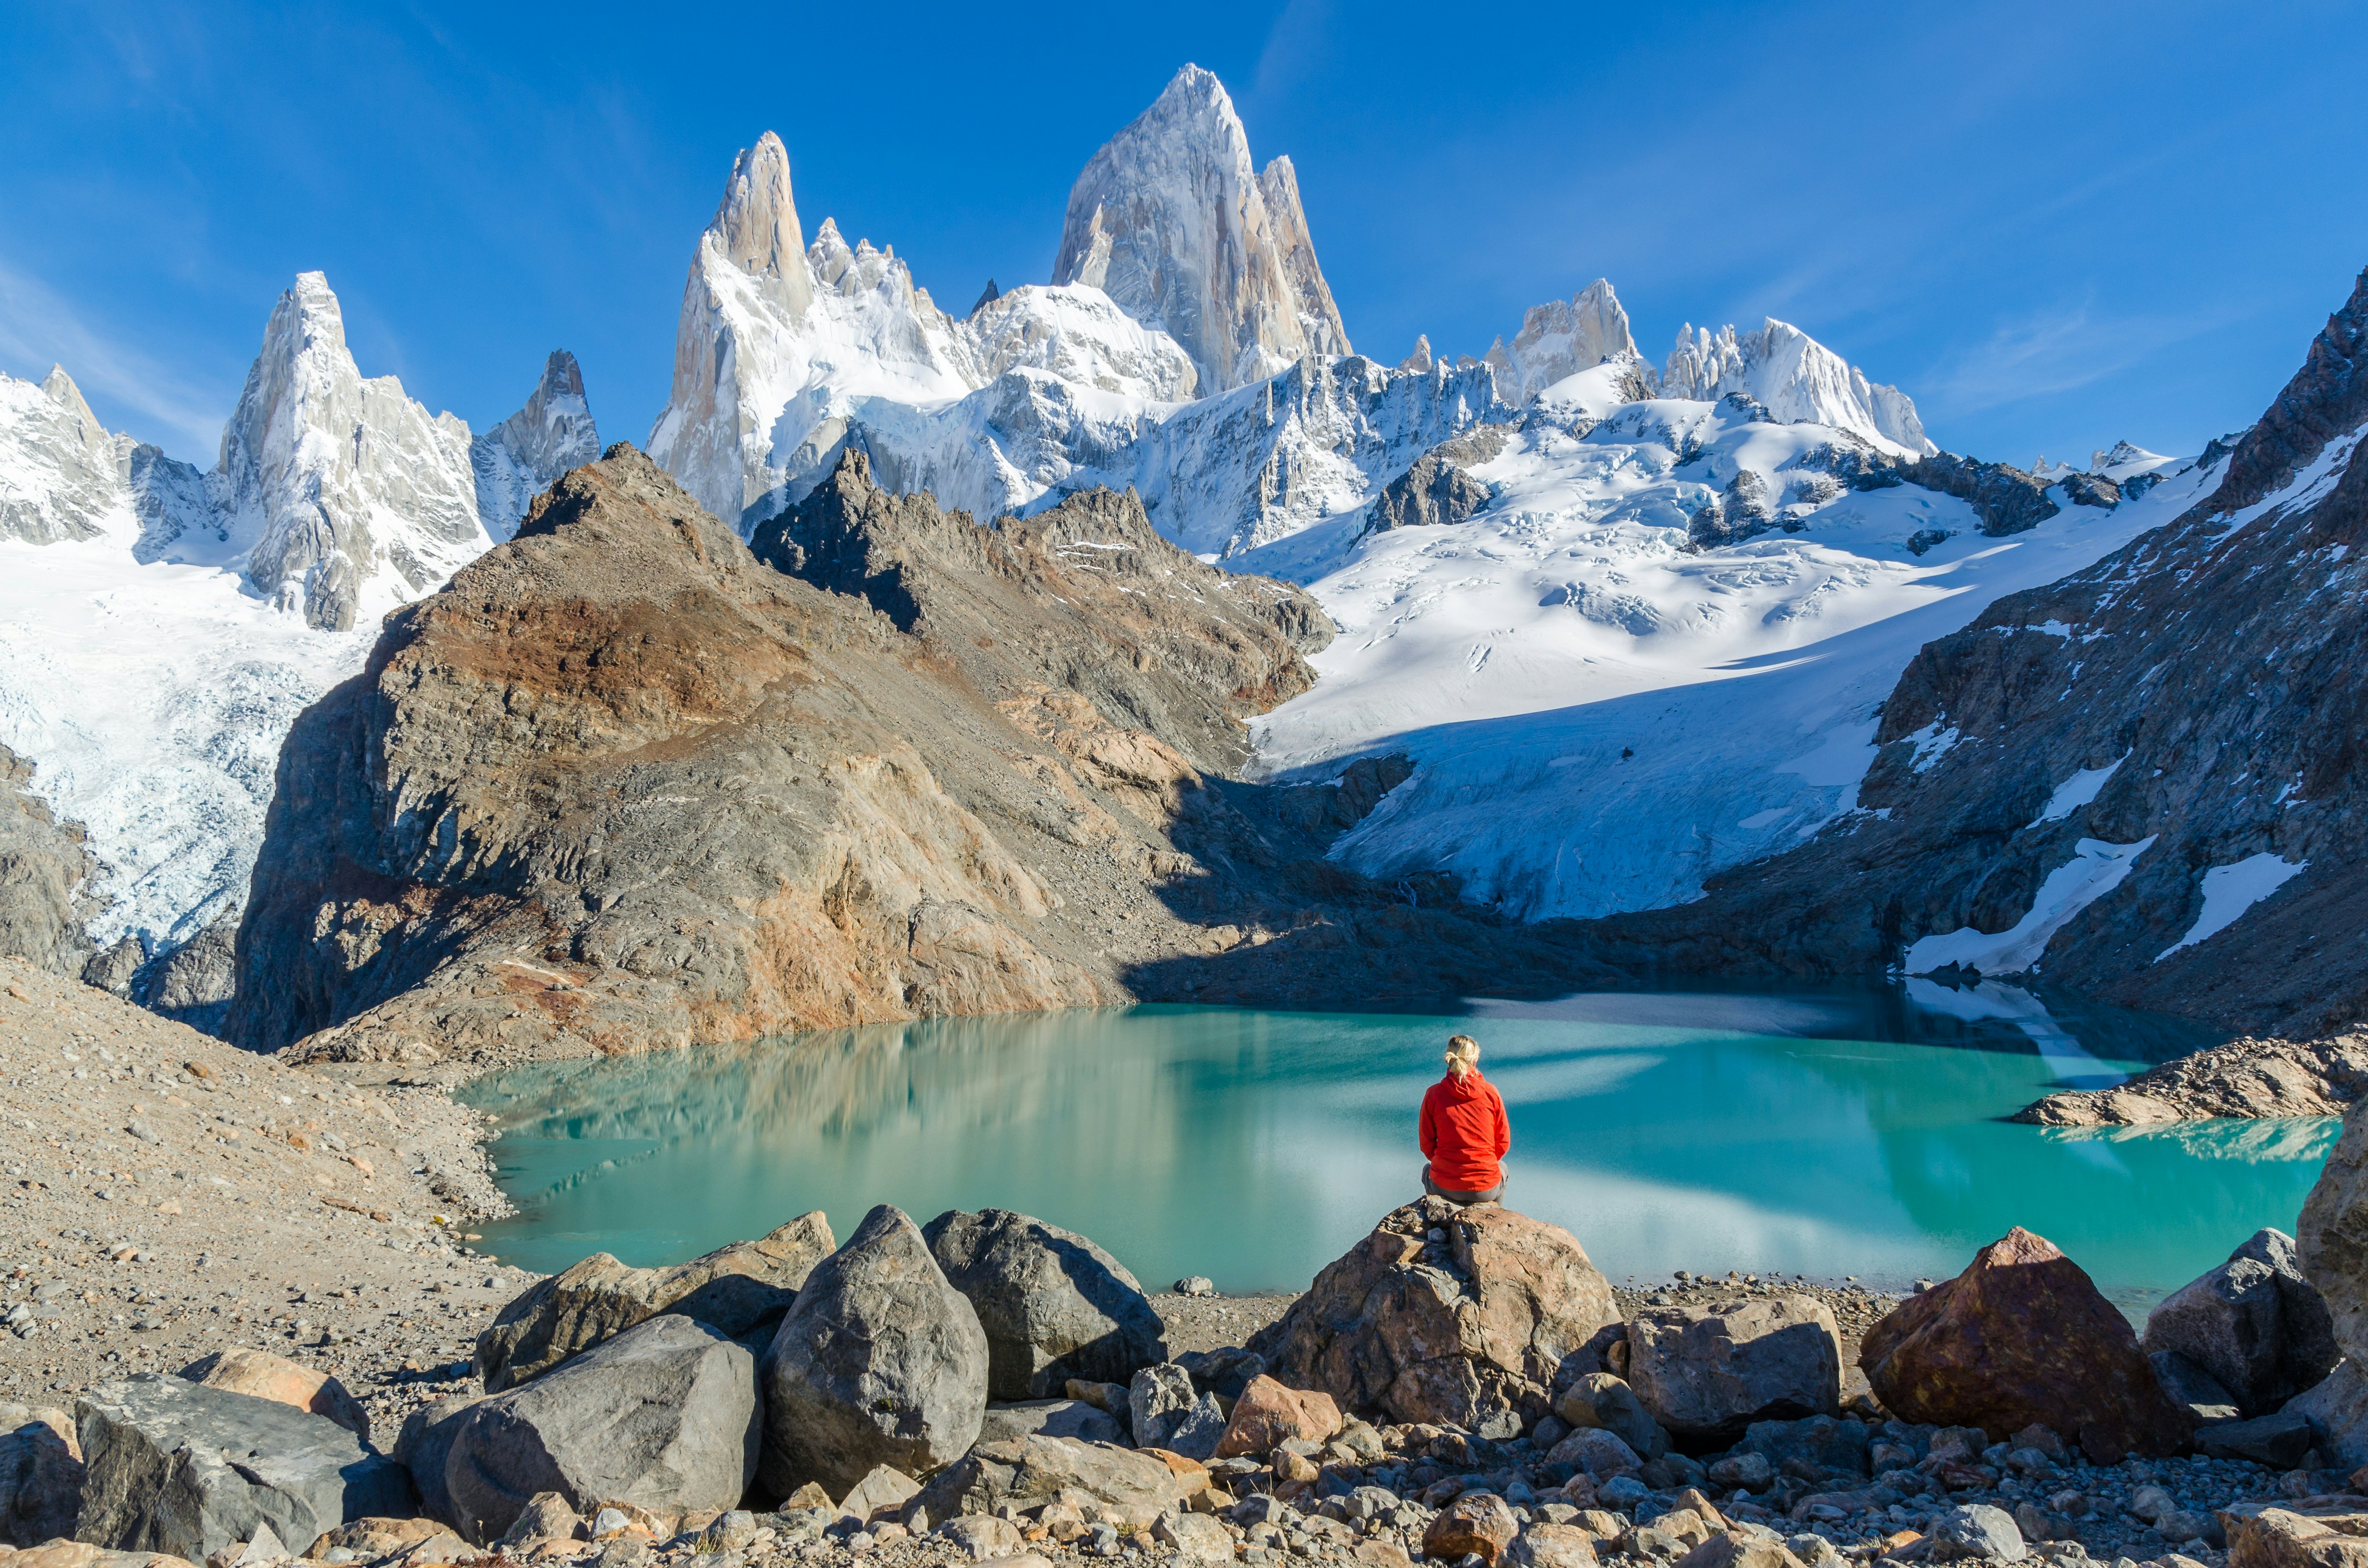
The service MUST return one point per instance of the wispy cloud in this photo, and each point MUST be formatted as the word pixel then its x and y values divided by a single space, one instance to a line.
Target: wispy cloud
pixel 39 327
pixel 2054 351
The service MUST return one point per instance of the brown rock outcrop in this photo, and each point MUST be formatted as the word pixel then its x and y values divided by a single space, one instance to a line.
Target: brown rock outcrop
pixel 2022 1336
pixel 2246 1077
pixel 1457 1316
pixel 623 785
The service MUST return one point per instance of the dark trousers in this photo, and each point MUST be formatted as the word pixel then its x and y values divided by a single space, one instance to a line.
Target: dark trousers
pixel 1461 1200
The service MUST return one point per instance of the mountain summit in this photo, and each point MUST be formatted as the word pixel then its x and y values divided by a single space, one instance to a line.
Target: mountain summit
pixel 1171 220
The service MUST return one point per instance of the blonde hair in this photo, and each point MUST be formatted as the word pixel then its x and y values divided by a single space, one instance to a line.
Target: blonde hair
pixel 1463 1054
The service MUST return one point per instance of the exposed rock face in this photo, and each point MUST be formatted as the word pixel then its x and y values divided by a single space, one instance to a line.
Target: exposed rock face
pixel 2084 726
pixel 1052 1304
pixel 2332 1237
pixel 880 1362
pixel 45 873
pixel 1173 223
pixel 181 1469
pixel 1706 1374
pixel 516 461
pixel 1437 491
pixel 2255 1325
pixel 718 748
pixel 736 1289
pixel 2245 1077
pixel 2007 499
pixel 1468 1330
pixel 665 1417
pixel 40 1474
pixel 2023 1337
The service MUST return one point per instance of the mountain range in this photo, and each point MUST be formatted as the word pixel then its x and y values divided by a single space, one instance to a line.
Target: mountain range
pixel 1580 646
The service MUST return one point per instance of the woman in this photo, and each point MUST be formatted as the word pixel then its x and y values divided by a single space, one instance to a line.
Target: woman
pixel 1464 1133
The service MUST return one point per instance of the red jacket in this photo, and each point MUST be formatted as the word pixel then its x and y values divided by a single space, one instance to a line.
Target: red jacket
pixel 1465 1132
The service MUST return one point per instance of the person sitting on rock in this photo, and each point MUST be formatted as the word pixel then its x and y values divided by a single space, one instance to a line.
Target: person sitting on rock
pixel 1464 1133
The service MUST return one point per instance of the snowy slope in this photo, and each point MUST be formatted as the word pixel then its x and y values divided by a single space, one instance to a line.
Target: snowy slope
pixel 1600 717
pixel 161 628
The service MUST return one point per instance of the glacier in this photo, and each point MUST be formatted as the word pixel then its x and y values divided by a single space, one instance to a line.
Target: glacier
pixel 161 628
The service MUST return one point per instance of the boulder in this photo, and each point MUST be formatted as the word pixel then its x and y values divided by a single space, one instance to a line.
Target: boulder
pixel 1599 1398
pixel 2188 1385
pixel 2264 1536
pixel 2022 1335
pixel 664 1416
pixel 1544 1545
pixel 1195 1537
pixel 546 1517
pixel 2278 1442
pixel 886 1489
pixel 1739 1549
pixel 1226 1371
pixel 2337 1410
pixel 1976 1530
pixel 1706 1373
pixel 879 1361
pixel 1055 1306
pixel 175 1467
pixel 81 1554
pixel 40 1474
pixel 1599 1453
pixel 1831 1445
pixel 1027 1471
pixel 1268 1415
pixel 737 1290
pixel 981 1536
pixel 1196 1436
pixel 424 1445
pixel 1050 1418
pixel 1478 1522
pixel 1157 1402
pixel 1453 1316
pixel 2254 1324
pixel 266 1376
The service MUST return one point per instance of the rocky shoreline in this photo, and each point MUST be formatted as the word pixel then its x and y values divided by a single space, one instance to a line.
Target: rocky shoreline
pixel 2246 1077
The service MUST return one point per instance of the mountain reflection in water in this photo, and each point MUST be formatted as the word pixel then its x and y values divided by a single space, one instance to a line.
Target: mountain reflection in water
pixel 1820 1135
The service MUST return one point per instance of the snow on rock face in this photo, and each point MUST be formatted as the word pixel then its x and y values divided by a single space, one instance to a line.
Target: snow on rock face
pixel 66 475
pixel 1601 717
pixel 1560 338
pixel 1171 220
pixel 1797 379
pixel 345 496
pixel 516 461
pixel 1080 335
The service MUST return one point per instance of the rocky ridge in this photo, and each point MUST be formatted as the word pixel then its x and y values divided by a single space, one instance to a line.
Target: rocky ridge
pixel 2246 1077
pixel 2077 784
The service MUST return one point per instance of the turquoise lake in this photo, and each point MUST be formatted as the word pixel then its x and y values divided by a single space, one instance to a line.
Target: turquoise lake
pixel 1827 1136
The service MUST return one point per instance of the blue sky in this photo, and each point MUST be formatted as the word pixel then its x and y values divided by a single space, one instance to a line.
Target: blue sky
pixel 2054 225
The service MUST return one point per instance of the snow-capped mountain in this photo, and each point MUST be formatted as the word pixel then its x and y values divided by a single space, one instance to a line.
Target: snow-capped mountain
pixel 1560 338
pixel 1174 223
pixel 161 628
pixel 1796 378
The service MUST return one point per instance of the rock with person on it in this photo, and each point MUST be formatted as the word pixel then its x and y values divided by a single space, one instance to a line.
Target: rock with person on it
pixel 663 1417
pixel 2255 1325
pixel 1268 1415
pixel 174 1467
pixel 879 1361
pixel 1054 1305
pixel 1133 1483
pixel 40 1474
pixel 266 1376
pixel 2022 1336
pixel 1458 1317
pixel 737 1289
pixel 1706 1373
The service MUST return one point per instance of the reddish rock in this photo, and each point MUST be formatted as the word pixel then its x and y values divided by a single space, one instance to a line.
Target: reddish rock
pixel 266 1376
pixel 1477 1521
pixel 1467 1330
pixel 1269 1414
pixel 2022 1335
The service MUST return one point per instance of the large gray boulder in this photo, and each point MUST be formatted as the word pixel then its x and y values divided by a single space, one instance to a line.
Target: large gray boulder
pixel 2255 1325
pixel 1707 1373
pixel 40 1474
pixel 664 1416
pixel 880 1362
pixel 181 1469
pixel 1055 1306
pixel 1050 1418
pixel 1599 1398
pixel 737 1289
pixel 1133 1484
pixel 425 1443
pixel 2337 1411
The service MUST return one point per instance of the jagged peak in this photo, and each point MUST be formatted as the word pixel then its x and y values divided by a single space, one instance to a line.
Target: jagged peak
pixel 59 389
pixel 757 218
pixel 1420 361
pixel 562 376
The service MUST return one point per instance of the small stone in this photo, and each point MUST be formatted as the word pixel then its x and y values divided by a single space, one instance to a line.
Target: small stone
pixel 1196 1285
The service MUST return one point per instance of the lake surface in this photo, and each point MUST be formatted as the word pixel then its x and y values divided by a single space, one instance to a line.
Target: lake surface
pixel 1818 1135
